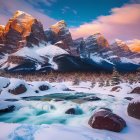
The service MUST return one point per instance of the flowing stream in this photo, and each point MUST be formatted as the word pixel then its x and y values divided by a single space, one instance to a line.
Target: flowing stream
pixel 51 109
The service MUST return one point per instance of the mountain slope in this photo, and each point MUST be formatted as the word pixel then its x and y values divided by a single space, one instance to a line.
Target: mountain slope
pixel 35 57
pixel 26 47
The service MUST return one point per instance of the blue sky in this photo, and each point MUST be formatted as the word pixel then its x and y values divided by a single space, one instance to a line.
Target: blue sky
pixel 113 18
pixel 77 12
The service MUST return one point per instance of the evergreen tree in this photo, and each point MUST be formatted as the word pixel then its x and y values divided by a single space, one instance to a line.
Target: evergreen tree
pixel 138 75
pixel 101 83
pixel 115 77
pixel 131 79
pixel 107 83
pixel 76 80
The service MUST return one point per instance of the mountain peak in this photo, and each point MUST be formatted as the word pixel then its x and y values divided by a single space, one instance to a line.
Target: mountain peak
pixel 100 40
pixel 121 44
pixel 2 27
pixel 18 13
pixel 97 34
pixel 58 26
pixel 20 22
pixel 119 41
pixel 20 31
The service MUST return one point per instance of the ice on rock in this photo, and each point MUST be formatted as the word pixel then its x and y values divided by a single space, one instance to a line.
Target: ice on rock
pixel 4 82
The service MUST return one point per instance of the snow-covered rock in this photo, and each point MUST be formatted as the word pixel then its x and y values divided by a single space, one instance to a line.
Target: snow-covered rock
pixel 4 82
pixel 136 90
pixel 17 86
pixel 133 108
pixel 41 85
pixel 105 119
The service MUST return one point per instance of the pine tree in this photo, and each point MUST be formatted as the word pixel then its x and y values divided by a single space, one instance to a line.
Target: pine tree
pixel 101 83
pixel 115 77
pixel 76 80
pixel 107 83
pixel 131 79
pixel 138 75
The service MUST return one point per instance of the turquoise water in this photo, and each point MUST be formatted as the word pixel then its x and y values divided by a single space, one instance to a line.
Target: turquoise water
pixel 50 109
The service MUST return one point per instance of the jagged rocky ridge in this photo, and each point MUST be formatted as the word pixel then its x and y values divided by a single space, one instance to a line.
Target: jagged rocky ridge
pixel 26 47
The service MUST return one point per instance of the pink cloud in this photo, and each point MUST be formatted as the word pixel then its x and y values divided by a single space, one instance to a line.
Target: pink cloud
pixel 7 9
pixel 134 45
pixel 122 23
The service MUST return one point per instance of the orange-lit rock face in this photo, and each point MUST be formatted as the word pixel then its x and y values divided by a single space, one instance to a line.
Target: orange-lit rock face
pixel 96 42
pixel 22 30
pixel 101 40
pixel 21 22
pixel 58 26
pixel 1 30
pixel 1 36
pixel 122 45
pixel 60 32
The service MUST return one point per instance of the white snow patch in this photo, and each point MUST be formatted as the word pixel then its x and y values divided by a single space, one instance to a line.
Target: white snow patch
pixel 4 82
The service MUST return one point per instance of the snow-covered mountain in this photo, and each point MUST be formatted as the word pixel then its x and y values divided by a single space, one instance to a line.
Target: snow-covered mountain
pixel 59 35
pixel 33 59
pixel 20 31
pixel 25 46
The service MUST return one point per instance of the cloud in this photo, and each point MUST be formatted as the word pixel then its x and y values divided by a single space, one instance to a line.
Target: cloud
pixel 68 9
pixel 75 12
pixel 65 9
pixel 38 3
pixel 122 23
pixel 134 45
pixel 8 8
pixel 134 1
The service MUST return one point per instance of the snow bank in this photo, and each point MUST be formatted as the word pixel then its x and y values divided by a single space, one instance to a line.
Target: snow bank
pixel 36 115
pixel 51 132
pixel 86 87
pixel 136 100
pixel 5 104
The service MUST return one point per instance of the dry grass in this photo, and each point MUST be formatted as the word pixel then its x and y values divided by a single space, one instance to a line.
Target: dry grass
pixel 72 76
